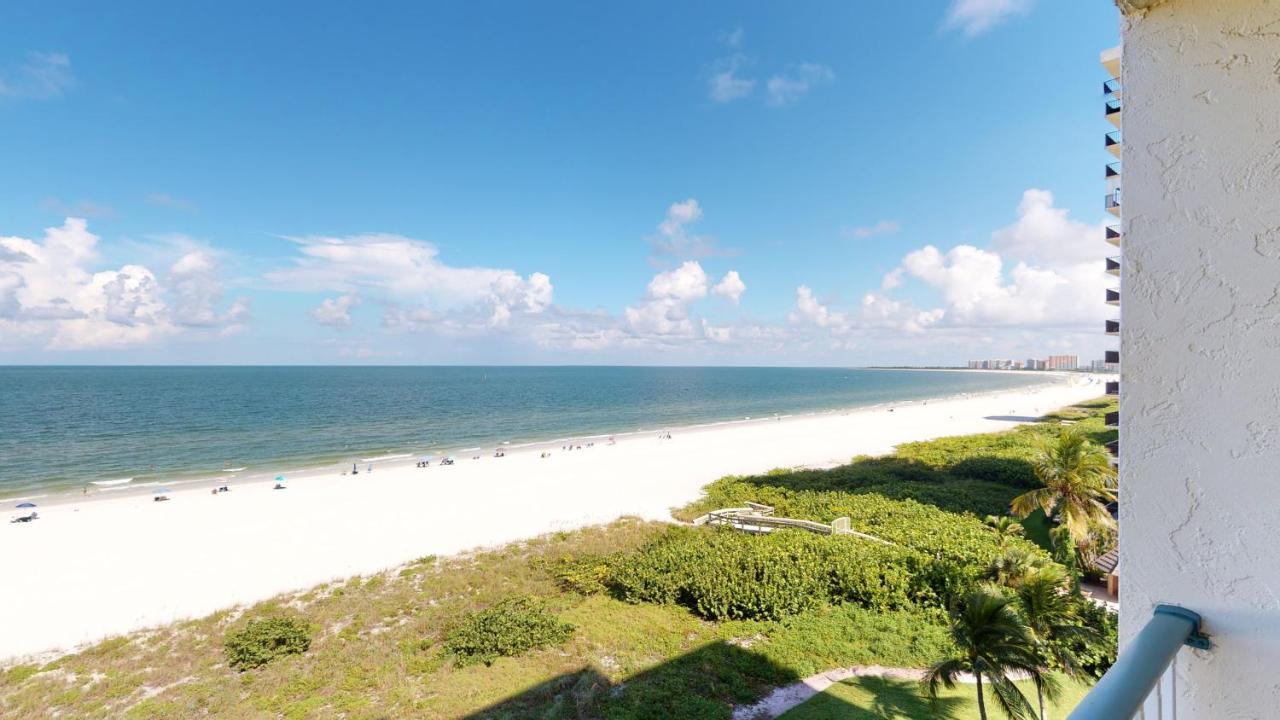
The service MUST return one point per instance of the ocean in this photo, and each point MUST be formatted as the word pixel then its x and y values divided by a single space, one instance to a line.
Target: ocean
pixel 63 427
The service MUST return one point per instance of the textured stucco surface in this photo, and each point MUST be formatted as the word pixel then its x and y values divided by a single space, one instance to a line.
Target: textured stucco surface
pixel 1200 342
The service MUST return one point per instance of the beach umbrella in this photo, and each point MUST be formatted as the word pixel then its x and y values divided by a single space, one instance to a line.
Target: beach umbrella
pixel 280 478
pixel 160 491
pixel 26 505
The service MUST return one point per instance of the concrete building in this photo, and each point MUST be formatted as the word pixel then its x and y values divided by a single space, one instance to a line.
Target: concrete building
pixel 1200 342
pixel 1062 362
pixel 1102 366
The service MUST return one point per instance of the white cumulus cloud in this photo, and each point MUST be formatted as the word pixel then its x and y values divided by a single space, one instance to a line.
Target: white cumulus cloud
pixel 730 287
pixel 1044 269
pixel 336 311
pixel 408 276
pixel 51 296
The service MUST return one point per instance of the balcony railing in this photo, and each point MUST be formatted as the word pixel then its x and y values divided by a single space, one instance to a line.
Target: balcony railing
pixel 1113 265
pixel 1111 87
pixel 1114 448
pixel 1112 202
pixel 1113 388
pixel 1113 170
pixel 1113 419
pixel 1112 356
pixel 1111 142
pixel 1111 110
pixel 1113 328
pixel 1113 297
pixel 1142 682
pixel 1113 235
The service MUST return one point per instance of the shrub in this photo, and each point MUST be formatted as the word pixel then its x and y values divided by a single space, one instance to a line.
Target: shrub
pixel 1094 655
pixel 724 575
pixel 262 641
pixel 583 574
pixel 512 627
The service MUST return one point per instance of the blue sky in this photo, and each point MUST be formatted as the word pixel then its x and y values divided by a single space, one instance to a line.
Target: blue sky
pixel 560 182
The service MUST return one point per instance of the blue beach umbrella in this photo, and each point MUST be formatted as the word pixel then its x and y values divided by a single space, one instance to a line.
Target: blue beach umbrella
pixel 25 505
pixel 279 478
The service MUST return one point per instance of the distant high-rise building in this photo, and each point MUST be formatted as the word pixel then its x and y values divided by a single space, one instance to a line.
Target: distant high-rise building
pixel 1062 362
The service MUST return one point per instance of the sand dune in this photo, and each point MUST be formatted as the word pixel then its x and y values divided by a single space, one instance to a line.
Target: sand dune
pixel 101 565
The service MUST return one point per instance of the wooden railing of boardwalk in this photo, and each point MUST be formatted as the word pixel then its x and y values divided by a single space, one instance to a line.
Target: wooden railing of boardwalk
pixel 758 519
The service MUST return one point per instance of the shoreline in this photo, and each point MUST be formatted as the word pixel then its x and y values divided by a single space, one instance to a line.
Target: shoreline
pixel 114 562
pixel 394 460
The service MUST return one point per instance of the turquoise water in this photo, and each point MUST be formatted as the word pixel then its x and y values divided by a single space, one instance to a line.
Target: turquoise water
pixel 61 427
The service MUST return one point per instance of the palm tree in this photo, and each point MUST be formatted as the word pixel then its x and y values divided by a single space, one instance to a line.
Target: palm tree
pixel 994 642
pixel 1010 567
pixel 1005 528
pixel 1078 483
pixel 1050 614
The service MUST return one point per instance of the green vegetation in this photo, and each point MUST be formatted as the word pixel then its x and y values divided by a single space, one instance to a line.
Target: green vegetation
pixel 1077 481
pixel 262 641
pixel 872 698
pixel 722 574
pixel 994 642
pixel 628 621
pixel 512 627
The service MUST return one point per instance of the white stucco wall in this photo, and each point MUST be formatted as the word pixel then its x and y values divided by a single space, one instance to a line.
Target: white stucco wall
pixel 1200 341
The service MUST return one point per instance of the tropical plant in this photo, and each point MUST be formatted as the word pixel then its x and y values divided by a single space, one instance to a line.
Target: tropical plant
pixel 1005 527
pixel 994 643
pixel 1013 565
pixel 1078 481
pixel 1050 613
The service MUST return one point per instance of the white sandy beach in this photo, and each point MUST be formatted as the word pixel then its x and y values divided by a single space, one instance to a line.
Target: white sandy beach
pixel 106 564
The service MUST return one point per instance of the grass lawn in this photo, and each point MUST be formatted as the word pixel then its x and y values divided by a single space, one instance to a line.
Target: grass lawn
pixel 890 699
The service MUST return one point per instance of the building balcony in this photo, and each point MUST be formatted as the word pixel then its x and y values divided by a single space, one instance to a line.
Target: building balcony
pixel 1111 141
pixel 1113 328
pixel 1110 59
pixel 1111 87
pixel 1113 419
pixel 1113 265
pixel 1113 235
pixel 1113 447
pixel 1112 356
pixel 1113 387
pixel 1112 202
pixel 1113 297
pixel 1113 170
pixel 1111 110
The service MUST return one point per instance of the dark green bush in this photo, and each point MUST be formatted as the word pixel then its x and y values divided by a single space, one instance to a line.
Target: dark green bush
pixel 1094 655
pixel 263 640
pixel 512 627
pixel 722 574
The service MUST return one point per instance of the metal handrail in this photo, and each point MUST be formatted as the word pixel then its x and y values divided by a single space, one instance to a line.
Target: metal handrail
pixel 1121 692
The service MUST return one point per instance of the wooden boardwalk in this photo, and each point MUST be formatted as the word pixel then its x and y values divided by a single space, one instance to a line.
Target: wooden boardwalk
pixel 759 519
